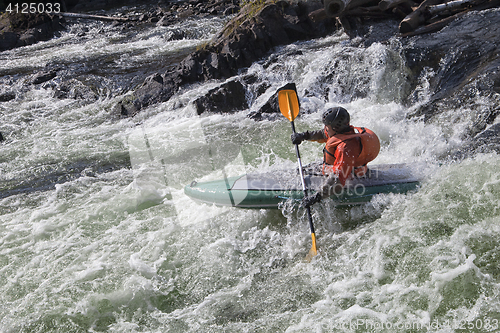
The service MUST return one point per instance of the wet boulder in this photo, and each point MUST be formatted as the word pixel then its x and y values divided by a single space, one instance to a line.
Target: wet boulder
pixel 270 108
pixel 156 88
pixel 229 97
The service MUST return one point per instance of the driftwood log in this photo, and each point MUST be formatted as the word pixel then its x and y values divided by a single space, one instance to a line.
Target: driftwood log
pixel 451 6
pixel 441 23
pixel 417 16
pixel 94 17
pixel 438 15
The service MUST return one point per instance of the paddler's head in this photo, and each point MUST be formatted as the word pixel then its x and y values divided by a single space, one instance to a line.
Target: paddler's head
pixel 336 120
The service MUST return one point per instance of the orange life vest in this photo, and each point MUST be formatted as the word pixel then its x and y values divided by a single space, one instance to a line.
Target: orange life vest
pixel 370 147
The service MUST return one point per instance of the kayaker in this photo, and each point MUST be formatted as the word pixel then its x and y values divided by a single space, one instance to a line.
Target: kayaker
pixel 347 151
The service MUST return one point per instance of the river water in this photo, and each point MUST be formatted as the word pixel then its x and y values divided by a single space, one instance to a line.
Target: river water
pixel 96 234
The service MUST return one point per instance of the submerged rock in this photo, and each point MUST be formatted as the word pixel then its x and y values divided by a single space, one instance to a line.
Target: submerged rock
pixel 75 89
pixel 43 76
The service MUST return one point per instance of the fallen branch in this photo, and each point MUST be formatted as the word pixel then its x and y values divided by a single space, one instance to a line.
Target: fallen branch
pixel 318 15
pixel 417 17
pixel 450 6
pixel 433 27
pixel 94 17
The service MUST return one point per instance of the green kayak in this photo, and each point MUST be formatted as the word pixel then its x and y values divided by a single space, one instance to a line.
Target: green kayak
pixel 269 189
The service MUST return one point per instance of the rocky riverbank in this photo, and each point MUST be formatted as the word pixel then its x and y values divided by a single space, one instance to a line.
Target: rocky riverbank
pixel 20 29
pixel 463 57
pixel 471 54
pixel 246 38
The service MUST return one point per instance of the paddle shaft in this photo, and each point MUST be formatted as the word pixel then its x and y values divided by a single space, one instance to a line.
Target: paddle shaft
pixel 304 188
pixel 289 107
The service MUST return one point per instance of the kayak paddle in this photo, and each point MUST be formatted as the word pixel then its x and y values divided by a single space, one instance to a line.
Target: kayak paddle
pixel 289 107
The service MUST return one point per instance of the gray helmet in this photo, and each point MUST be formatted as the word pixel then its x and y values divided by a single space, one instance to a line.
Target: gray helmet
pixel 338 118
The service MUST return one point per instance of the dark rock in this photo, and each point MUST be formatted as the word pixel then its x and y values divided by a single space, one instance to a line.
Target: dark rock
pixel 270 107
pixel 185 13
pixel 155 89
pixel 155 77
pixel 166 21
pixel 1 137
pixel 42 77
pixel 28 38
pixel 25 29
pixel 7 96
pixel 191 67
pixel 143 17
pixel 229 97
pixel 175 35
pixel 462 66
pixel 8 40
pixel 124 110
pixel 496 85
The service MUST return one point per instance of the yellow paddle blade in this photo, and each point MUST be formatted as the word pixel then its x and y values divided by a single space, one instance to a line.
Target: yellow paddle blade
pixel 289 103
pixel 313 251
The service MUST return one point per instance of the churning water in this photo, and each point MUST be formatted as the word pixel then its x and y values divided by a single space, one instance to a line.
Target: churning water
pixel 96 233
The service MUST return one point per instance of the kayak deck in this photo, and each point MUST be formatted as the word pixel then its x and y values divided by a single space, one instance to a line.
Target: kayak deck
pixel 268 190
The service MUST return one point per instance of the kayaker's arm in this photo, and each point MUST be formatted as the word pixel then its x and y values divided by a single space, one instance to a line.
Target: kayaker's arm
pixel 318 136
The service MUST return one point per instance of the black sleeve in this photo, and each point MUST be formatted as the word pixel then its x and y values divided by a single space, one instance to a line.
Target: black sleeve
pixel 318 135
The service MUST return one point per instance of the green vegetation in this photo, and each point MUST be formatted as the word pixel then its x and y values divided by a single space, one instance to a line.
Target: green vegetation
pixel 203 46
pixel 249 9
pixel 253 7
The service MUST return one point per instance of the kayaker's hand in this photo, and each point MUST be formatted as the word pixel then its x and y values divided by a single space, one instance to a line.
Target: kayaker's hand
pixel 297 138
pixel 311 200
